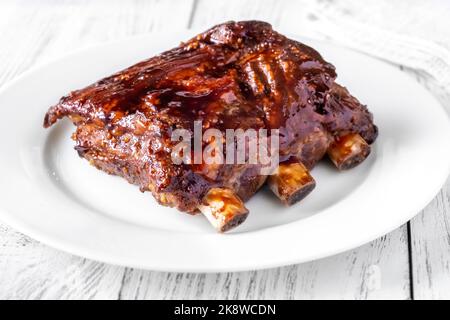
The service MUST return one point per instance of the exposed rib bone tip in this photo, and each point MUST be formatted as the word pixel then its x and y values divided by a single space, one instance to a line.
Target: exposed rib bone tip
pixel 348 151
pixel 291 182
pixel 223 209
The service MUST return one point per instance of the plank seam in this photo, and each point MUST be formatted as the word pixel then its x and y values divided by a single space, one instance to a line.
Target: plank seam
pixel 122 284
pixel 410 261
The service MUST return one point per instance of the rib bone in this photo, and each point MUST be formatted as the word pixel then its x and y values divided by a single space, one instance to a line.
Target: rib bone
pixel 348 151
pixel 224 209
pixel 291 183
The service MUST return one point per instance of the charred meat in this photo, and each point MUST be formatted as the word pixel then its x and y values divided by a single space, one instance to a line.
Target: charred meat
pixel 236 75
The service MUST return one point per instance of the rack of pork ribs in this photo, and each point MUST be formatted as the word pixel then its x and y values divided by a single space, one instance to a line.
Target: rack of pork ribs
pixel 236 75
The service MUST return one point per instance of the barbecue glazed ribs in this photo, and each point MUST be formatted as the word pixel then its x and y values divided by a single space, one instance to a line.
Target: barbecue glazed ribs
pixel 237 75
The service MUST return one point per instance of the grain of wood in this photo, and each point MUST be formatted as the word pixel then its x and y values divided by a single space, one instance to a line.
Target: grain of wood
pixel 431 249
pixel 430 230
pixel 36 31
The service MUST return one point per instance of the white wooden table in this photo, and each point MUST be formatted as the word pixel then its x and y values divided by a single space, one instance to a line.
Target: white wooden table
pixel 410 262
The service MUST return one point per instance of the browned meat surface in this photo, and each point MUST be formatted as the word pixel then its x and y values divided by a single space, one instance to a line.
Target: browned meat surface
pixel 235 75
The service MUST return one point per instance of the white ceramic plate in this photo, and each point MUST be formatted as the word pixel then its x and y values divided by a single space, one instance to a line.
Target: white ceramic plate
pixel 49 193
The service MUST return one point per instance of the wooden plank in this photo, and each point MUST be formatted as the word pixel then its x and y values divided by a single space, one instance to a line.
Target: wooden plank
pixel 30 270
pixel 431 249
pixel 430 230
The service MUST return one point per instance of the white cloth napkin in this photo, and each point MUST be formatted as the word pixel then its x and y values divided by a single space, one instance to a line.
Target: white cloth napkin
pixel 414 34
pixel 416 53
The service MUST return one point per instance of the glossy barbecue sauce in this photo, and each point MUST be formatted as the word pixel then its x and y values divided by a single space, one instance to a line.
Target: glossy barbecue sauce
pixel 218 77
pixel 236 75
